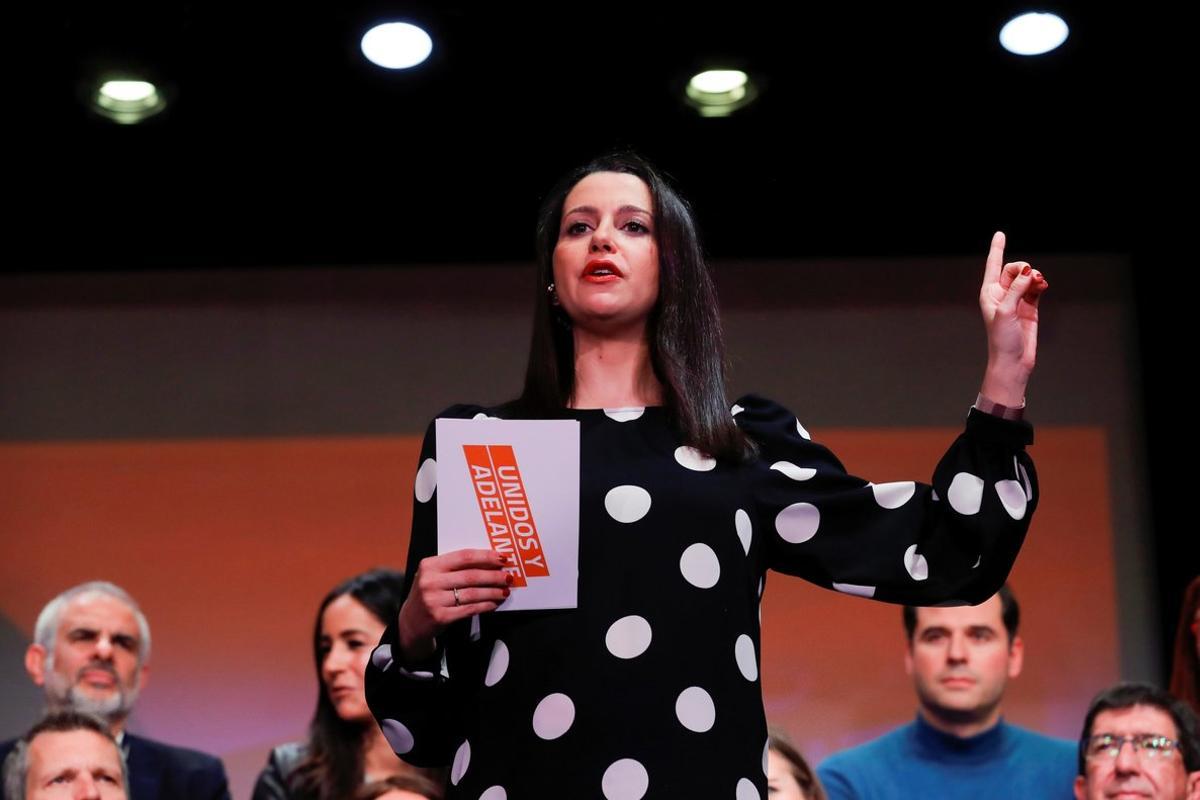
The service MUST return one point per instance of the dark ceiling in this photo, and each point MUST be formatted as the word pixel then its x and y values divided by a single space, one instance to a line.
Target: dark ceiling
pixel 898 129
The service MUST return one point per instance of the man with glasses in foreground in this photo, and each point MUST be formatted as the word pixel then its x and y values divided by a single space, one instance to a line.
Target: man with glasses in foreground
pixel 1138 741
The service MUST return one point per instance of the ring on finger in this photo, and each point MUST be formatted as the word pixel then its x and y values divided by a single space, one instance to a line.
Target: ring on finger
pixel 457 599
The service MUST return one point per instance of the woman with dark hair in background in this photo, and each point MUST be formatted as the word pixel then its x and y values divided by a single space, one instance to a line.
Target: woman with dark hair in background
pixel 1185 670
pixel 789 777
pixel 345 747
pixel 651 684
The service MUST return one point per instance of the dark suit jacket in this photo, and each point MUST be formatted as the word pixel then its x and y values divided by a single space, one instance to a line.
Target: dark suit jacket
pixel 159 771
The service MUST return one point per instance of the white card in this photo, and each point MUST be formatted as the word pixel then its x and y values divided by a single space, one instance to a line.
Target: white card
pixel 513 486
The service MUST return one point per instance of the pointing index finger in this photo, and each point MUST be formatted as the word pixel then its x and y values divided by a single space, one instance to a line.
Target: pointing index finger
pixel 995 259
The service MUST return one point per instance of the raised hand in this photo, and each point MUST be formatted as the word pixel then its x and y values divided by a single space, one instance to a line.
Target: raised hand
pixel 1008 300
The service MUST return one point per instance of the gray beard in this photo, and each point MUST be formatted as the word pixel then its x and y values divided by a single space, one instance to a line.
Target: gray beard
pixel 113 709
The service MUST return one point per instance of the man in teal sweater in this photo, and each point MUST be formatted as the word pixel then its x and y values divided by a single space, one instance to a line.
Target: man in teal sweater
pixel 959 746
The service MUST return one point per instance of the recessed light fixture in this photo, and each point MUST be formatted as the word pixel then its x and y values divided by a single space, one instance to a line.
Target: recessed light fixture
pixel 720 92
pixel 127 101
pixel 1034 33
pixel 396 45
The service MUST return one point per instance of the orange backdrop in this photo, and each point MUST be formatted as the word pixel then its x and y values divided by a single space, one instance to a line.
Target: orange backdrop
pixel 229 545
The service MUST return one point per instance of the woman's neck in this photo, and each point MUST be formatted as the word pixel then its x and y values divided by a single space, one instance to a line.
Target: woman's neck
pixel 614 371
pixel 378 759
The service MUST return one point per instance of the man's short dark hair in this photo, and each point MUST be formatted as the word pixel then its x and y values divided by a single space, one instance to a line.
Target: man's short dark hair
pixel 1010 612
pixel 1128 695
pixel 16 766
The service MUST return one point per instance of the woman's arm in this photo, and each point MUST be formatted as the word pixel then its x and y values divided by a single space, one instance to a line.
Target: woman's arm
pixel 952 540
pixel 411 688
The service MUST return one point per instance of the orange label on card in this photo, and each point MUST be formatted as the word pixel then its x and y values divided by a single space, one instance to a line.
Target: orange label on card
pixel 507 517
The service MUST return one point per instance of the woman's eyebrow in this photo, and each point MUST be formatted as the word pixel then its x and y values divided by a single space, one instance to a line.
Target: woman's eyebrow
pixel 592 210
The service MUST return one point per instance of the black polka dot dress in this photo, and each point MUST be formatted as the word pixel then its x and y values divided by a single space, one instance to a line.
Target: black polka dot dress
pixel 650 688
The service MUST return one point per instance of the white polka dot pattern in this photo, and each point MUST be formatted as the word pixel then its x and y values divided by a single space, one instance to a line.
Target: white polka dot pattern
pixel 694 459
pixel 497 664
pixel 651 623
pixel 628 637
pixel 553 716
pixel 858 590
pixel 627 503
pixel 915 563
pixel 426 482
pixel 695 709
pixel 1012 497
pixel 462 759
pixel 794 472
pixel 798 522
pixel 744 528
pixel 700 566
pixel 743 653
pixel 625 779
pixel 893 495
pixel 965 494
pixel 399 738
pixel 382 657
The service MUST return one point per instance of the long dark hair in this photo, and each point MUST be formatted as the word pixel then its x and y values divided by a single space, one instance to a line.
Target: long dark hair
pixel 687 351
pixel 333 766
pixel 1185 672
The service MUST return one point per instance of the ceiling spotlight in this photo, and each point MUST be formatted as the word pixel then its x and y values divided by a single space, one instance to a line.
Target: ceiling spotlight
pixel 1033 34
pixel 720 92
pixel 127 101
pixel 396 45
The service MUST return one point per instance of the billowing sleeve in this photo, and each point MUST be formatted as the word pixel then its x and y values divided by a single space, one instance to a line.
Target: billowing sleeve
pixel 902 542
pixel 417 704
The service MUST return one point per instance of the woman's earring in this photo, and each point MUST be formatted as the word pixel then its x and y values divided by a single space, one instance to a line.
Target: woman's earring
pixel 556 309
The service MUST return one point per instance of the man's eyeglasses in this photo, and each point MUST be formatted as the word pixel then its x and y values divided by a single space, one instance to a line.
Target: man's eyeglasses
pixel 1106 746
